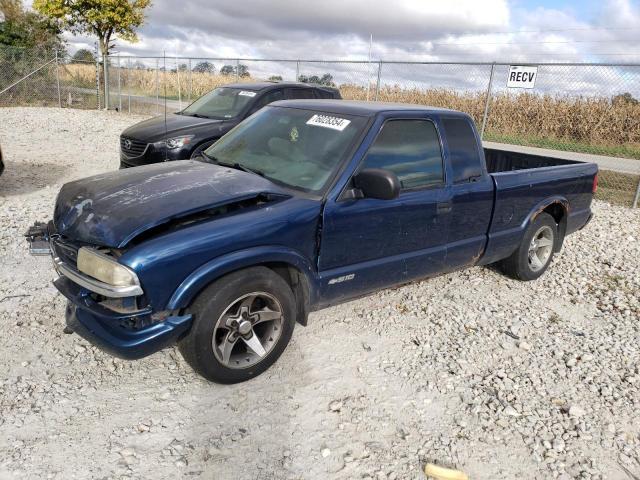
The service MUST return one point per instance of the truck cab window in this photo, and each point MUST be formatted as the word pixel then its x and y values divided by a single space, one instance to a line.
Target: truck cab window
pixel 411 150
pixel 463 150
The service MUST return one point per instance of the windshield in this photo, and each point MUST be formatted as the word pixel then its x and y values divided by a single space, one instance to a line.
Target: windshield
pixel 299 148
pixel 220 103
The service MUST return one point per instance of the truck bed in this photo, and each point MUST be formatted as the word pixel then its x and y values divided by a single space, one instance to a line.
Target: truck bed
pixel 524 185
pixel 507 161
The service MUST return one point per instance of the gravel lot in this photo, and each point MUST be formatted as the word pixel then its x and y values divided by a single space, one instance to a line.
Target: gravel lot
pixel 499 378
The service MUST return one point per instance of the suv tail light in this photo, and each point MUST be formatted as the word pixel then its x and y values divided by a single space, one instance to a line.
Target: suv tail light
pixel 594 189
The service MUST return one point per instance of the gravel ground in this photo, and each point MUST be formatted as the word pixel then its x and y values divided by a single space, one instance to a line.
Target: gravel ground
pixel 499 378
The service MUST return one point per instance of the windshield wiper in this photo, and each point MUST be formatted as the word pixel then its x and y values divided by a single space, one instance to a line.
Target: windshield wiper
pixel 239 166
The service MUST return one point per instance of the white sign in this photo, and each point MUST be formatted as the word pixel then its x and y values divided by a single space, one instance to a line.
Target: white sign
pixel 327 121
pixel 246 93
pixel 522 77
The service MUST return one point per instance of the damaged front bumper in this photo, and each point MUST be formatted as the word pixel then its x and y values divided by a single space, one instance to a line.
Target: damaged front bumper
pixel 125 335
pixel 122 331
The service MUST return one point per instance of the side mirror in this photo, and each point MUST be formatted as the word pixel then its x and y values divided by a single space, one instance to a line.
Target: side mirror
pixel 377 183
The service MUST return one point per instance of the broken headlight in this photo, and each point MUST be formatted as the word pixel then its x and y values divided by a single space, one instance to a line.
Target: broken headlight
pixel 104 268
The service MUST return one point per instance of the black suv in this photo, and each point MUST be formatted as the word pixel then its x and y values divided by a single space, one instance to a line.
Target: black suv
pixel 185 134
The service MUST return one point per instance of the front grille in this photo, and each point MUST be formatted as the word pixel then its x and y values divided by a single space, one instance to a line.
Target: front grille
pixel 65 251
pixel 131 147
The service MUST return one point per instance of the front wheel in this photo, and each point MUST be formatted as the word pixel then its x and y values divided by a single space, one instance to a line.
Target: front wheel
pixel 533 256
pixel 241 325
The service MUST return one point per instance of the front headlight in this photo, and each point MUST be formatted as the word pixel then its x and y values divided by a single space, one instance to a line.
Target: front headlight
pixel 175 142
pixel 103 268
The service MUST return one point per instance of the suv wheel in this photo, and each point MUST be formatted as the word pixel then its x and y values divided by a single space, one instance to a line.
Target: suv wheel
pixel 242 324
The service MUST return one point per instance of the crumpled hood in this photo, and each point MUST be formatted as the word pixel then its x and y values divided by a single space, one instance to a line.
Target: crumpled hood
pixel 113 208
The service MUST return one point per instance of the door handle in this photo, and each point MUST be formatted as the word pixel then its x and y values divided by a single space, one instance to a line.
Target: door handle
pixel 443 207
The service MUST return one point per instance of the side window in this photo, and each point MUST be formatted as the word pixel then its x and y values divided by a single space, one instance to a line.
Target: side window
pixel 299 93
pixel 410 149
pixel 266 99
pixel 463 149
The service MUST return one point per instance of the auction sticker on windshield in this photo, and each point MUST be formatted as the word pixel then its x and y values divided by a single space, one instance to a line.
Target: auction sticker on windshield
pixel 326 121
pixel 247 93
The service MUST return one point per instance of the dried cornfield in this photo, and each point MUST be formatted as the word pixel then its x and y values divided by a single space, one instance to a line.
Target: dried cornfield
pixel 580 123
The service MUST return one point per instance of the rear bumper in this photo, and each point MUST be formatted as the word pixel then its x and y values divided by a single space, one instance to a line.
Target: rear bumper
pixel 126 335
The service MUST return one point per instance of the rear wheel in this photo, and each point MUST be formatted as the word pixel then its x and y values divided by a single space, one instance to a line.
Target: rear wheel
pixel 242 324
pixel 533 256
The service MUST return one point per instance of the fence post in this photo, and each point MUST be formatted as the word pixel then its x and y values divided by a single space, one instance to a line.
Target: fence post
pixel 237 69
pixel 378 80
pixel 637 196
pixel 58 81
pixel 297 70
pixel 157 87
pixel 105 60
pixel 190 83
pixel 97 81
pixel 129 82
pixel 119 87
pixel 179 87
pixel 486 103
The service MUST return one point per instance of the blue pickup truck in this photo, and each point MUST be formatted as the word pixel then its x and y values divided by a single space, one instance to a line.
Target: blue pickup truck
pixel 306 204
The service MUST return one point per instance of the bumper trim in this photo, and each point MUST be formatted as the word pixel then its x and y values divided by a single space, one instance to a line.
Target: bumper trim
pixel 96 286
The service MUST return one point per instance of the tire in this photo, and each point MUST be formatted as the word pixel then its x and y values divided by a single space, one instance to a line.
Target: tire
pixel 197 152
pixel 522 265
pixel 221 350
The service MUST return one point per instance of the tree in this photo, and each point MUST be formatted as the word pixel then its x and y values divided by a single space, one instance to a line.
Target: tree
pixel 204 67
pixel 326 79
pixel 28 29
pixel 227 70
pixel 624 99
pixel 275 78
pixel 83 55
pixel 242 71
pixel 102 18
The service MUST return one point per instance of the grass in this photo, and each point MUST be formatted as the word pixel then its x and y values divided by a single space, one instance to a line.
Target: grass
pixel 625 151
pixel 616 187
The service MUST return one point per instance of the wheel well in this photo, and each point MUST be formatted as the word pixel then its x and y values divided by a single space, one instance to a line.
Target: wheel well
pixel 299 285
pixel 559 213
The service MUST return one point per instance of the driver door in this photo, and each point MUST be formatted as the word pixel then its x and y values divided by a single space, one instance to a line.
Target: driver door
pixel 369 243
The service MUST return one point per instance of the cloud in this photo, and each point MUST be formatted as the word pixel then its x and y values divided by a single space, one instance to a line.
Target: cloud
pixel 404 30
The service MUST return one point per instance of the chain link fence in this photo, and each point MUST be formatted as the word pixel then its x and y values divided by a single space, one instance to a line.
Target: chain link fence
pixel 589 109
pixel 46 78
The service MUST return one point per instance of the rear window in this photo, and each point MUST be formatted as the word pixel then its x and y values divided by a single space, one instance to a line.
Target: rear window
pixel 300 93
pixel 463 149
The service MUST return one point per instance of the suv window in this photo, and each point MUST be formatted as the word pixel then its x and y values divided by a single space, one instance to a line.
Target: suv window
pixel 325 94
pixel 411 150
pixel 267 98
pixel 463 149
pixel 300 93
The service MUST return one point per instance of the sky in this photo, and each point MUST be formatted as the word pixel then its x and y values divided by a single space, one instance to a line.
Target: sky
pixel 415 30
